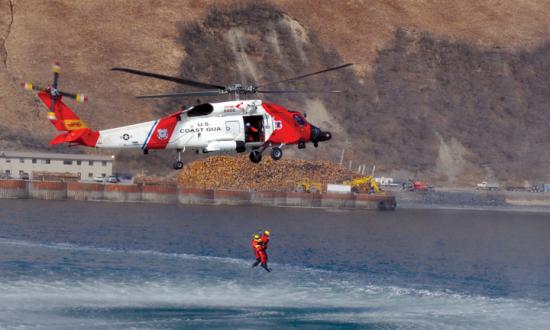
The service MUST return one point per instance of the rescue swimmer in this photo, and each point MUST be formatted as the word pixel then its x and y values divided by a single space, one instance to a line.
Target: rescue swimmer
pixel 259 245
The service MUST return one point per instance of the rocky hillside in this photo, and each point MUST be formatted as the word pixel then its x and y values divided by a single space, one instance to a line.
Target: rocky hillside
pixel 451 91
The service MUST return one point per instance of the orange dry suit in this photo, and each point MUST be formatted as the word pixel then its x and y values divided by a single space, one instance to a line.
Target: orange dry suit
pixel 265 240
pixel 259 250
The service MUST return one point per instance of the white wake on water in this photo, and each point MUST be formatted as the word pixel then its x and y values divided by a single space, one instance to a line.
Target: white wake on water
pixel 289 292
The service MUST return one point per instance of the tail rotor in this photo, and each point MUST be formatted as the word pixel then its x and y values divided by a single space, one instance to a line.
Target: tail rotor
pixel 59 114
pixel 53 90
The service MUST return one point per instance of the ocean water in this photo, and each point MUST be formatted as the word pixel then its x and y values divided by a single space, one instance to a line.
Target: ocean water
pixel 75 265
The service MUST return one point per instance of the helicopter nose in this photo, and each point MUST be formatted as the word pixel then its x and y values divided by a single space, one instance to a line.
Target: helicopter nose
pixel 317 135
pixel 326 136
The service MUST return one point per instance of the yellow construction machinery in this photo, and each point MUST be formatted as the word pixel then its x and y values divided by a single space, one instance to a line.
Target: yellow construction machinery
pixel 310 186
pixel 366 182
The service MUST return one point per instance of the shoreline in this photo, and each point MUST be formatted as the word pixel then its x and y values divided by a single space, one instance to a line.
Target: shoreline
pixel 476 208
pixel 173 194
pixel 437 199
pixel 472 199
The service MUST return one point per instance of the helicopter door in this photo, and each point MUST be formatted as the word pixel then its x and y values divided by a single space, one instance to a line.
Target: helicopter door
pixel 233 128
pixel 254 128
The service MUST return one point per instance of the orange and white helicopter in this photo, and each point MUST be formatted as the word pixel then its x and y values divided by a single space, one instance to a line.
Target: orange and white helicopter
pixel 233 126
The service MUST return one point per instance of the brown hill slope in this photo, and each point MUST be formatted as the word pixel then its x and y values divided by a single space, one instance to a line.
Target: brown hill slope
pixel 452 90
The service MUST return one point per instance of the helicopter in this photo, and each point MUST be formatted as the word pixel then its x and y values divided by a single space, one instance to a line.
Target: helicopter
pixel 232 126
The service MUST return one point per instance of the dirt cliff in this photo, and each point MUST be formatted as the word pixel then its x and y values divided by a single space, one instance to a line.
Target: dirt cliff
pixel 451 91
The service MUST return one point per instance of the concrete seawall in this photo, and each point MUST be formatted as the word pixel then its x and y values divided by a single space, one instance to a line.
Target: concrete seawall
pixel 47 190
pixel 122 193
pixel 85 191
pixel 13 189
pixel 473 199
pixel 159 194
pixel 171 194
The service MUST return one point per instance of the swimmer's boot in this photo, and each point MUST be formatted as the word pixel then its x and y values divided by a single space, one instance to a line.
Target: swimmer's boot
pixel 256 263
pixel 264 266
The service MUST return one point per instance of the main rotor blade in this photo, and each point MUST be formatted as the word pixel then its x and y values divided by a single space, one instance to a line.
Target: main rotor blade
pixel 169 78
pixel 183 94
pixel 307 75
pixel 293 91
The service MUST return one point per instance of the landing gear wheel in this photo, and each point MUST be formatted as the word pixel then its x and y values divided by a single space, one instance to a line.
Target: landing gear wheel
pixel 255 156
pixel 276 153
pixel 178 165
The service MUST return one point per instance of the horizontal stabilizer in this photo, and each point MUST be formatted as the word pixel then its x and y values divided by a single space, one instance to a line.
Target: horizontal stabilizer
pixel 83 136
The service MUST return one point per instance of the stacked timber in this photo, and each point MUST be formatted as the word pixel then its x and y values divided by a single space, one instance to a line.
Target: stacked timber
pixel 238 173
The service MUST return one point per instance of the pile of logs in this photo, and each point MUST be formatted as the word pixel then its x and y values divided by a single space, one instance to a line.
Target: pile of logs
pixel 238 173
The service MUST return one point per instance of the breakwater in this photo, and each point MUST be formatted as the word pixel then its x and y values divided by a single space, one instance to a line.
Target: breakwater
pixel 176 194
pixel 473 199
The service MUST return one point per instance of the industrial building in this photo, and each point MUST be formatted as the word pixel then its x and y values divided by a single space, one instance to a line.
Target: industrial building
pixel 22 164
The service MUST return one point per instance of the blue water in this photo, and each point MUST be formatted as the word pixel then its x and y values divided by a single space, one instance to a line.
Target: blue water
pixel 73 265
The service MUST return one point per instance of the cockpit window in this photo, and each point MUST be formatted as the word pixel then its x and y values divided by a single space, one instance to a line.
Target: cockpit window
pixel 201 110
pixel 299 119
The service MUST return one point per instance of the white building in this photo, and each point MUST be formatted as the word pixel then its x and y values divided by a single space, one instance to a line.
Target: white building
pixel 17 164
